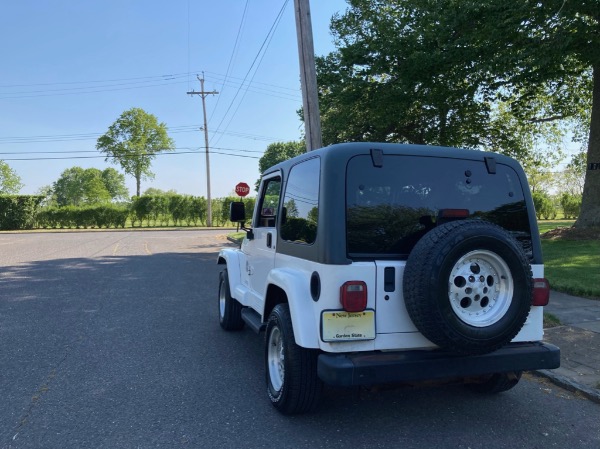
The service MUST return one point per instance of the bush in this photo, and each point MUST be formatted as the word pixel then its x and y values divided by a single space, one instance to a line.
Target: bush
pixel 544 206
pixel 18 211
pixel 177 208
pixel 571 204
pixel 140 209
pixel 199 206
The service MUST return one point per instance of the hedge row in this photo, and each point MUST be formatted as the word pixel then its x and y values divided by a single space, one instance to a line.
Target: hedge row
pixel 103 216
pixel 23 212
pixel 182 210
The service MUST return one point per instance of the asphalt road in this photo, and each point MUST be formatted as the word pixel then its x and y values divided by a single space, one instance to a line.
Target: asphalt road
pixel 111 340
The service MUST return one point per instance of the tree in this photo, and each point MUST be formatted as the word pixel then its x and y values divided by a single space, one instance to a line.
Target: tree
pixel 434 72
pixel 77 186
pixel 573 176
pixel 544 49
pixel 133 141
pixel 10 182
pixel 158 192
pixel 291 208
pixel 390 81
pixel 279 152
pixel 47 194
pixel 115 184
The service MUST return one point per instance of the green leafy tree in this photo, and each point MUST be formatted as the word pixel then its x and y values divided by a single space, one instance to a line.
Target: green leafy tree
pixel 133 141
pixel 279 152
pixel 10 182
pixel 78 186
pixel 573 177
pixel 530 50
pixel 47 194
pixel 313 215
pixel 291 209
pixel 155 191
pixel 571 205
pixel 391 81
pixel 115 184
pixel 545 206
pixel 433 72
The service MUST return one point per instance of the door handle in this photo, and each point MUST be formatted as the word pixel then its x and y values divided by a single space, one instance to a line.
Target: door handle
pixel 269 239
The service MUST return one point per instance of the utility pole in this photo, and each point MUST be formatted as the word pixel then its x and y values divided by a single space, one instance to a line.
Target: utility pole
pixel 203 94
pixel 308 75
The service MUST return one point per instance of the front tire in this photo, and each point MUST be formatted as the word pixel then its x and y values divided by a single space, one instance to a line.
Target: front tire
pixel 230 311
pixel 291 371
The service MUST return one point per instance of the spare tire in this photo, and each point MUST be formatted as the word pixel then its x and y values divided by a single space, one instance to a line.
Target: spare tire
pixel 468 286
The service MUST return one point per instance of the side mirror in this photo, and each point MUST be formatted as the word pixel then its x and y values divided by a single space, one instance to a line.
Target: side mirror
pixel 237 212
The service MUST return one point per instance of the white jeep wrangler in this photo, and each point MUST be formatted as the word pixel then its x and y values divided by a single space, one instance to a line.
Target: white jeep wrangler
pixel 371 263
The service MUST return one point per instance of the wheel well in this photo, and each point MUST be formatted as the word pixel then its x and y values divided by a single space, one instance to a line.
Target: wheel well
pixel 221 261
pixel 275 295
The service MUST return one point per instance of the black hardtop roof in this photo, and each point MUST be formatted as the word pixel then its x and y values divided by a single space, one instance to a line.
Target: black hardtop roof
pixel 344 151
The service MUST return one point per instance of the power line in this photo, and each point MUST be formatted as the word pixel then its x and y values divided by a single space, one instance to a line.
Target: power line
pixel 252 65
pixel 146 79
pixel 231 58
pixel 79 91
pixel 274 28
pixel 219 76
pixel 95 135
pixel 172 153
pixel 101 89
pixel 99 86
pixel 166 77
pixel 96 151
pixel 102 86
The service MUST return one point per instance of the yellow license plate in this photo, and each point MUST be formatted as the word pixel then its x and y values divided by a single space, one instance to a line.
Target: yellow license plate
pixel 339 325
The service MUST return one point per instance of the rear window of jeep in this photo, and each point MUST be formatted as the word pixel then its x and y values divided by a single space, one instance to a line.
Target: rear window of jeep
pixel 389 208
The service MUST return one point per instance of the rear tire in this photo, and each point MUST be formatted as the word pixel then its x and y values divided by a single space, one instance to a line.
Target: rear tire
pixel 496 383
pixel 292 382
pixel 230 311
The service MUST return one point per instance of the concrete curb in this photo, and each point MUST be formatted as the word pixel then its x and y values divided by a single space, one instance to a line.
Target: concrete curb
pixel 568 384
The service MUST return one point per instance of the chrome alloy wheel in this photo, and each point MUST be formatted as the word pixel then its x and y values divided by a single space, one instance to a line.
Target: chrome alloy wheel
pixel 275 359
pixel 222 299
pixel 480 288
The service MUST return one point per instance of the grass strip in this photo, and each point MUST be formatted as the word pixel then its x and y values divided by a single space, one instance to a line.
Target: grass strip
pixel 573 266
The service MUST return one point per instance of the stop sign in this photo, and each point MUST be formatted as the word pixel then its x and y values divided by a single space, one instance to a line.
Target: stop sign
pixel 242 189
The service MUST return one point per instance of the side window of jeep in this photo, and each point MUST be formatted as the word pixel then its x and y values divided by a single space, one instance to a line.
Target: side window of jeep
pixel 301 203
pixel 269 203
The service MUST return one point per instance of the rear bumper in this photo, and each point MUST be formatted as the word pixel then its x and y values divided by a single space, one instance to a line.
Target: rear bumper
pixel 373 368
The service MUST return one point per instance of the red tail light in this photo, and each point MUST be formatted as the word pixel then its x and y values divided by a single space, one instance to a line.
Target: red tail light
pixel 353 296
pixel 541 292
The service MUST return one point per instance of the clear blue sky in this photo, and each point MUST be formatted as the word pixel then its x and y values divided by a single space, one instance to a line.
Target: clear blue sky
pixel 69 68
